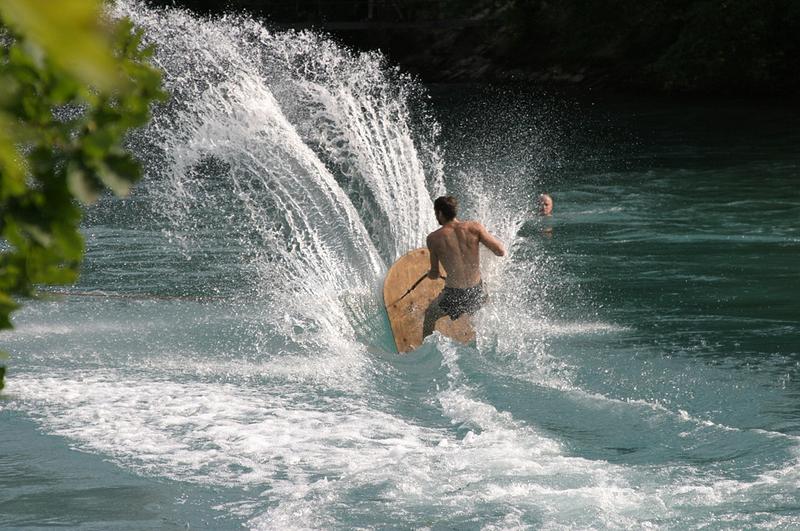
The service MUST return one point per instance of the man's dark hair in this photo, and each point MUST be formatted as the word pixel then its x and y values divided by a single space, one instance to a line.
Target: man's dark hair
pixel 447 205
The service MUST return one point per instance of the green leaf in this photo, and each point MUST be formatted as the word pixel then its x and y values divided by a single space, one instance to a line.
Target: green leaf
pixel 96 144
pixel 69 240
pixel 12 170
pixel 7 305
pixel 39 235
pixel 70 33
pixel 119 172
pixel 80 185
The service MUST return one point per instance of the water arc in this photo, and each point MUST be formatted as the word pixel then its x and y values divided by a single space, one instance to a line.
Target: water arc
pixel 310 154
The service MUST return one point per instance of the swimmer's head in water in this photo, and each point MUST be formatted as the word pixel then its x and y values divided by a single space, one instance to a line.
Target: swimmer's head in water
pixel 445 208
pixel 545 205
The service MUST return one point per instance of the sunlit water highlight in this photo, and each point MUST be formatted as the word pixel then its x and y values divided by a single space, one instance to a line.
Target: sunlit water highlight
pixel 227 352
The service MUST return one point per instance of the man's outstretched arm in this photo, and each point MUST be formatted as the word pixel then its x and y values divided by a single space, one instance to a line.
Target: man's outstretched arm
pixel 492 243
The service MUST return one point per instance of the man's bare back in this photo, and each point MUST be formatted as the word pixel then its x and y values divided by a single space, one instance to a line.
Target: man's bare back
pixel 457 245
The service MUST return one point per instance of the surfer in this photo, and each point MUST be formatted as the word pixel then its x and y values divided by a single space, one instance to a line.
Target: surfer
pixel 456 245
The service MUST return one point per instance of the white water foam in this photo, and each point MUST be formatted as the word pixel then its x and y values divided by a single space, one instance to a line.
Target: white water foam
pixel 315 452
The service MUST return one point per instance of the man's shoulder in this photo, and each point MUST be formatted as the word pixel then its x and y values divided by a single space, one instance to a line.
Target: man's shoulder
pixel 473 225
pixel 435 235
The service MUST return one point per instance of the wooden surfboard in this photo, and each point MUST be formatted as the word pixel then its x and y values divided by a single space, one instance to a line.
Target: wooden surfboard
pixel 407 309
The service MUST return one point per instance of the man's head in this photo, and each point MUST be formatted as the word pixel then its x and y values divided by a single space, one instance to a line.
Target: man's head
pixel 445 208
pixel 545 205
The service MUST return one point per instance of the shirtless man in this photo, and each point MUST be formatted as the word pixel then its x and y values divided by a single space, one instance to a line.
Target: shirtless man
pixel 455 244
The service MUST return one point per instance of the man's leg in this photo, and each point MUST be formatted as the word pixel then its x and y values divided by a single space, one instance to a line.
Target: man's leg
pixel 432 314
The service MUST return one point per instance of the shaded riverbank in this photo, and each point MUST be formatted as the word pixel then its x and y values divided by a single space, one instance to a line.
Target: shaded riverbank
pixel 697 47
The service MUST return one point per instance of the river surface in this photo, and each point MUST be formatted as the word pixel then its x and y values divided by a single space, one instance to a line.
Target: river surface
pixel 225 361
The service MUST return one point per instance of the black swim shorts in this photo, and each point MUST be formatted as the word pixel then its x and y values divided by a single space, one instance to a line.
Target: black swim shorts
pixel 457 301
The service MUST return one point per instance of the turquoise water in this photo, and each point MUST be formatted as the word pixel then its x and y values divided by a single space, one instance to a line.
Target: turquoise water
pixel 224 360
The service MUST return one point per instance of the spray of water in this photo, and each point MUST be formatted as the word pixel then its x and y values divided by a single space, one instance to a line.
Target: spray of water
pixel 321 163
pixel 303 151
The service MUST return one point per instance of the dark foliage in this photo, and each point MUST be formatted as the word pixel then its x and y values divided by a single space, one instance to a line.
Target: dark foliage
pixel 733 47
